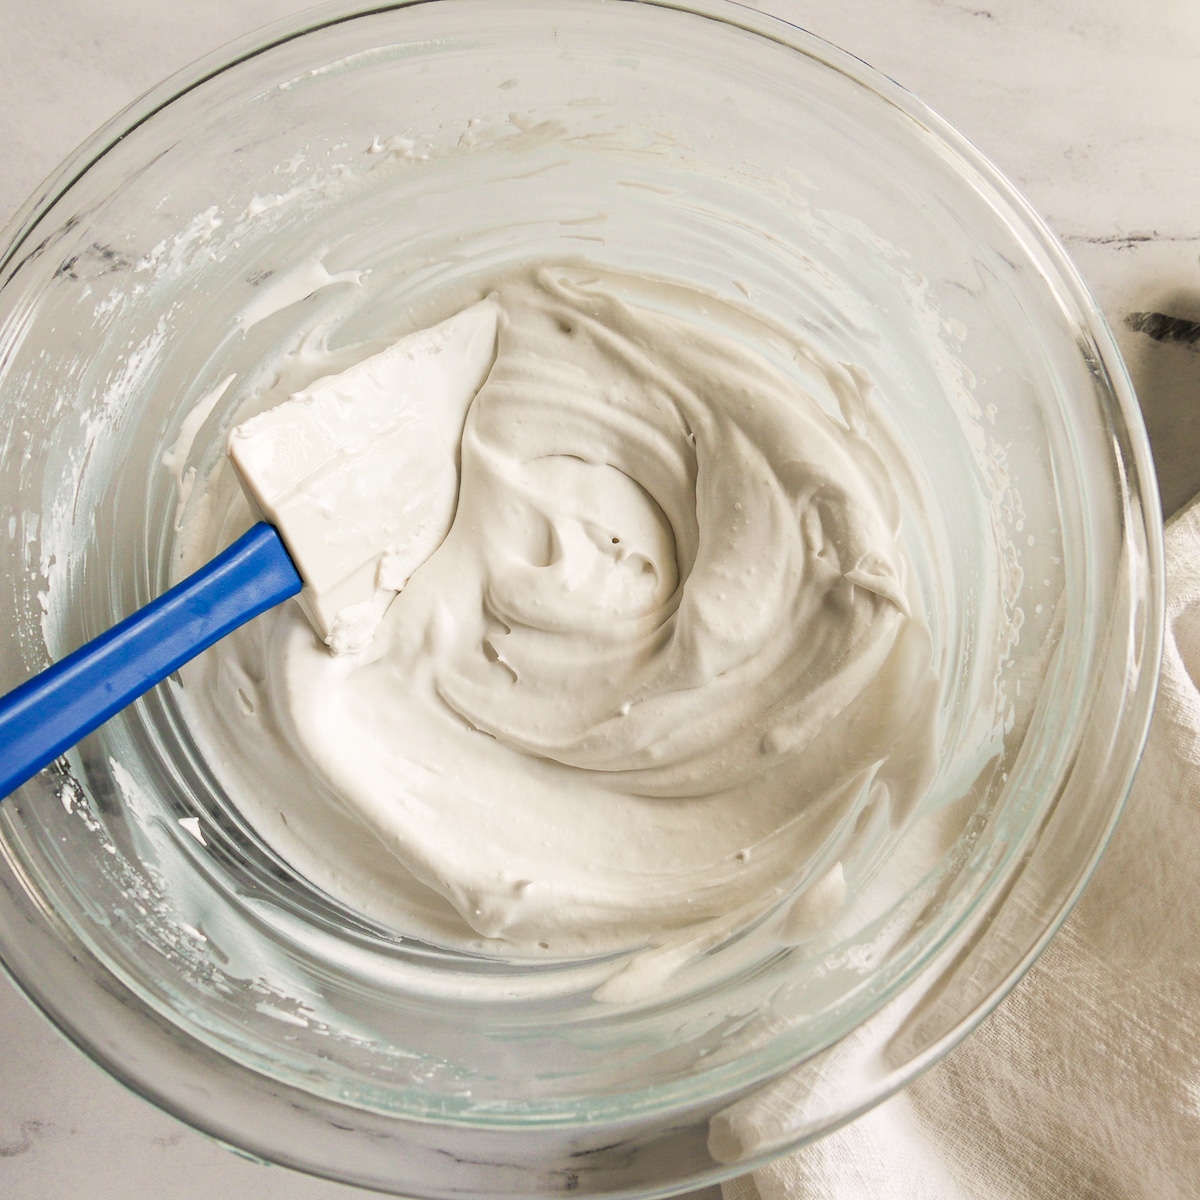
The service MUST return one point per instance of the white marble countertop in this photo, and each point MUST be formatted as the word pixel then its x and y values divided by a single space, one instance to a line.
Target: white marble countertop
pixel 1091 106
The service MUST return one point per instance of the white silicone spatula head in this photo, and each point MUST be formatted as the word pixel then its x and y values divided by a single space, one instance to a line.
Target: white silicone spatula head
pixel 359 472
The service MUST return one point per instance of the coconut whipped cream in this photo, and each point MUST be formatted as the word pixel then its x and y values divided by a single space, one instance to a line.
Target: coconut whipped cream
pixel 668 653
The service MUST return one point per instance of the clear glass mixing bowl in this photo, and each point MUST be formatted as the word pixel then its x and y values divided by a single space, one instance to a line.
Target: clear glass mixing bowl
pixel 423 143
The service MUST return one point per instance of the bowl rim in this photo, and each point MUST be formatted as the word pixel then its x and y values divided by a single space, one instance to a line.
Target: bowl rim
pixel 53 958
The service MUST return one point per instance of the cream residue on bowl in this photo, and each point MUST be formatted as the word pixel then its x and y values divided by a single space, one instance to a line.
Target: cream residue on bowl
pixel 669 654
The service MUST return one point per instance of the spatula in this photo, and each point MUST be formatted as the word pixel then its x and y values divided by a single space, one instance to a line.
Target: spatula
pixel 356 479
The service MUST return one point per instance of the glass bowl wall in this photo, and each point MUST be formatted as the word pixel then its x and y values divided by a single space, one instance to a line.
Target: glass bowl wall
pixel 425 143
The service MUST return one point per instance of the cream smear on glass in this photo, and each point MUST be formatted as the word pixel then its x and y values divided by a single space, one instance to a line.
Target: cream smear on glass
pixel 669 652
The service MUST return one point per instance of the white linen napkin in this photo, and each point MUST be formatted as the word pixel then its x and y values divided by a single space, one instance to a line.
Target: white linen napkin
pixel 1085 1082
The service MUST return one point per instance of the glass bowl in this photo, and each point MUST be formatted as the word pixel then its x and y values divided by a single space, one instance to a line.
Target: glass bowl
pixel 421 144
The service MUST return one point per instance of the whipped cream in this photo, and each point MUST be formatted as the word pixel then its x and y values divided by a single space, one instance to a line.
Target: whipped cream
pixel 668 653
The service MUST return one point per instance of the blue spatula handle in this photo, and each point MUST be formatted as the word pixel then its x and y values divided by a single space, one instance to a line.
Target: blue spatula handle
pixel 52 711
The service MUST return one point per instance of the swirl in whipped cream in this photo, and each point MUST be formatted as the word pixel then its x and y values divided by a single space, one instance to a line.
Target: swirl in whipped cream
pixel 667 654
